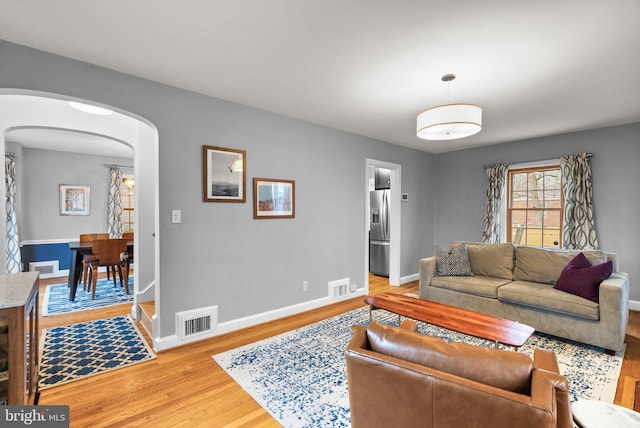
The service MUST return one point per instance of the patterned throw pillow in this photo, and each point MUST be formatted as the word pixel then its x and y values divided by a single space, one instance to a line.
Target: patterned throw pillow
pixel 454 262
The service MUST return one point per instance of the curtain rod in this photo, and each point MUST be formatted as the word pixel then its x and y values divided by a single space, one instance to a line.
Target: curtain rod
pixel 11 155
pixel 539 160
pixel 108 165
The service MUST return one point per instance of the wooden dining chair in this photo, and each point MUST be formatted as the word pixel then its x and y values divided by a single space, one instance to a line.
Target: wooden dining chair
pixel 89 237
pixel 108 252
pixel 127 257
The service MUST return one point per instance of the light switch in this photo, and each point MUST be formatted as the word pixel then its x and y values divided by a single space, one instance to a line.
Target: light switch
pixel 176 216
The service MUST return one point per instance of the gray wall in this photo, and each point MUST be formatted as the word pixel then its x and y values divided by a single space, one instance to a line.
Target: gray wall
pixel 461 184
pixel 219 255
pixel 41 172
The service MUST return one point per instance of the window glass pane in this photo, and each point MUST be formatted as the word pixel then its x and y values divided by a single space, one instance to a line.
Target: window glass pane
pixel 536 199
pixel 552 198
pixel 552 180
pixel 127 191
pixel 552 230
pixel 518 218
pixel 519 182
pixel 519 199
pixel 518 222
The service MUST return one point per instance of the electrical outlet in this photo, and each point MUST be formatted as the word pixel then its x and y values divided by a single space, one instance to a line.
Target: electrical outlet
pixel 305 285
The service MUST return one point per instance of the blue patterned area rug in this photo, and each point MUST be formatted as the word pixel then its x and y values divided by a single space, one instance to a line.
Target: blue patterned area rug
pixel 300 377
pixel 76 351
pixel 56 297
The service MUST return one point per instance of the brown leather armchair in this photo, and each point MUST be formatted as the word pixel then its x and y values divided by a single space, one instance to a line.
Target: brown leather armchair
pixel 399 378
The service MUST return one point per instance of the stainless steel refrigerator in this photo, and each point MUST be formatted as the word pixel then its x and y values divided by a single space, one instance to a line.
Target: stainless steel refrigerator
pixel 379 244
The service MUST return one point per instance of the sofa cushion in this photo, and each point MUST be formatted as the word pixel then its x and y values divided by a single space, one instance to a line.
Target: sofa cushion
pixel 477 285
pixel 494 260
pixel 543 296
pixel 545 265
pixel 454 262
pixel 502 369
pixel 583 279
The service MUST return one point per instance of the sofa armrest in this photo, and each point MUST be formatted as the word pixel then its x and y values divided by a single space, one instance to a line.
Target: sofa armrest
pixel 427 272
pixel 614 307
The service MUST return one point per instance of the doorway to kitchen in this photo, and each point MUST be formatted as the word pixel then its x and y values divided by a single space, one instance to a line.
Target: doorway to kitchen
pixel 385 220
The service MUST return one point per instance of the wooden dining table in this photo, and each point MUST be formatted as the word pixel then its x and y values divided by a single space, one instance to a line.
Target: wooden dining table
pixel 78 251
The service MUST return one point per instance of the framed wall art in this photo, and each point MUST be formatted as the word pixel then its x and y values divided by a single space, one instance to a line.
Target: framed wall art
pixel 224 174
pixel 273 198
pixel 75 199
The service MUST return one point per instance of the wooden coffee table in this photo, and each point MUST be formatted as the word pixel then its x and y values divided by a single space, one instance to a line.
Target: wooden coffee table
pixel 473 323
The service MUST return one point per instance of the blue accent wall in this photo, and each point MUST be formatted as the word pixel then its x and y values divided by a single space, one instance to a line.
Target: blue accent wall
pixel 46 252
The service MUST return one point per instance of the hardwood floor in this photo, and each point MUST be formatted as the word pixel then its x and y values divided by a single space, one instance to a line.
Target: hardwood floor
pixel 184 387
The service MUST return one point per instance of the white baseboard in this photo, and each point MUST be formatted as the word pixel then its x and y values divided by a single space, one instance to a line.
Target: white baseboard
pixel 409 278
pixel 634 305
pixel 172 341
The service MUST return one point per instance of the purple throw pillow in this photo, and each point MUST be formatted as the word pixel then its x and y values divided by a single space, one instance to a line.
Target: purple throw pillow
pixel 581 278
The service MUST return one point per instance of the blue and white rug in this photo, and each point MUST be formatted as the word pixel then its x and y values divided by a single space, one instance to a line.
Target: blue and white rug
pixel 56 297
pixel 76 351
pixel 300 378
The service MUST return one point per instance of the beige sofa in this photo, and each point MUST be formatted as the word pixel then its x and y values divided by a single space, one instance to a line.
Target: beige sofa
pixel 516 283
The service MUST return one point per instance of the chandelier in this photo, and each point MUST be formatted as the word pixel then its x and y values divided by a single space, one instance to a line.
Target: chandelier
pixel 450 121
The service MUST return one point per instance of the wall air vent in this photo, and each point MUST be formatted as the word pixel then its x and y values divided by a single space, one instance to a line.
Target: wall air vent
pixel 196 322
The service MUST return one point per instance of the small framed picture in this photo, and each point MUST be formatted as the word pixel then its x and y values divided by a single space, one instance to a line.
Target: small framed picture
pixel 75 199
pixel 224 174
pixel 273 198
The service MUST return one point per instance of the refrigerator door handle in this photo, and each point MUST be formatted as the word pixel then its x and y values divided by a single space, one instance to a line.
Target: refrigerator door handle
pixel 384 220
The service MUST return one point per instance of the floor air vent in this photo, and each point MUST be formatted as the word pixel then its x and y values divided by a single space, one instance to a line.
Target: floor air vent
pixel 338 288
pixel 197 322
pixel 46 269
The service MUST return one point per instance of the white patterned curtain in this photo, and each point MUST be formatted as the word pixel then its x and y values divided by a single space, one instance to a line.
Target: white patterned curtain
pixel 114 206
pixel 578 227
pixel 496 190
pixel 14 260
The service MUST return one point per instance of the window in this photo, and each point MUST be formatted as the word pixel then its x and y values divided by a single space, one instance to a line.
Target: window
pixel 126 191
pixel 535 205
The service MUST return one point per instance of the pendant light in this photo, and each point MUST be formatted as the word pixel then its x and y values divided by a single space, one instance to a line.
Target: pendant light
pixel 450 121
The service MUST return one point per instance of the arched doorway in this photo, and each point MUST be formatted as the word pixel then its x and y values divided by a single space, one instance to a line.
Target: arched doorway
pixel 22 108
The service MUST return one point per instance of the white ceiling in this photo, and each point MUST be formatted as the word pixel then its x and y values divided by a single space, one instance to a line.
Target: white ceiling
pixel 366 66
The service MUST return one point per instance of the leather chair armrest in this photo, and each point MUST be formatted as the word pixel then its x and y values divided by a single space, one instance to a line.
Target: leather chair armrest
pixel 549 386
pixel 551 391
pixel 358 337
pixel 545 360
pixel 409 325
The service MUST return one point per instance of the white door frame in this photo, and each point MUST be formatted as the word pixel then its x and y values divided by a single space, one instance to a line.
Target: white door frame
pixel 395 226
